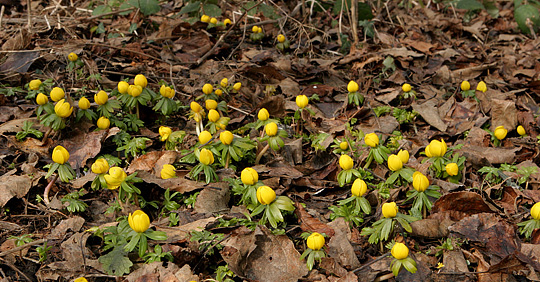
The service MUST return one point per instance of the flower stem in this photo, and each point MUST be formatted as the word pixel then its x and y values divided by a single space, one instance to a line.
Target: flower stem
pixel 261 153
pixel 369 160
pixel 48 188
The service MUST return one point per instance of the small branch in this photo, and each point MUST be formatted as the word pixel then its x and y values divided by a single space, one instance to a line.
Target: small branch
pixel 371 262
pixel 27 245
pixel 48 188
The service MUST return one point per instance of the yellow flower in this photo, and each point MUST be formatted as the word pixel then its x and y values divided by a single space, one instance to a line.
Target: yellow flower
pixel 255 29
pixel 440 265
pixel 84 104
pixel 73 57
pixel 34 84
pixel 420 182
pixel 206 157
pixel 213 115
pixel 352 86
pixel 140 80
pixel 481 86
pixel 452 169
pixel 500 132
pixel 123 87
pixel 115 177
pixel 263 114
pixel 237 86
pixel 249 176
pixel 103 123
pixel 80 279
pixel 60 155
pixel 521 130
pixel 226 22
pixel 207 88
pixel 211 104
pixel 134 90
pixel 219 92
pixel 224 82
pixel 271 129
pixel 400 251
pixel 100 166
pixel 168 171
pixel 346 162
pixel 57 94
pixel 372 140
pixel 139 221
pixel 465 85
pixel 359 187
pixel 195 107
pixel 101 97
pixel 205 18
pixel 226 137
pixel 403 156
pixel 389 209
pixel 166 91
pixel 436 148
pixel 394 163
pixel 63 109
pixel 406 87
pixel 42 99
pixel 281 38
pixel 213 21
pixel 265 195
pixel 302 101
pixel 535 211
pixel 259 29
pixel 344 145
pixel 204 137
pixel 164 132
pixel 315 241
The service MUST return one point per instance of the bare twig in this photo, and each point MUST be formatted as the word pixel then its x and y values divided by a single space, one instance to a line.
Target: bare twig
pixel 27 245
pixel 371 262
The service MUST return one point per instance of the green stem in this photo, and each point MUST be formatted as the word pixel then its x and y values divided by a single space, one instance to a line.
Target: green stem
pixel 261 153
pixel 369 159
pixel 228 160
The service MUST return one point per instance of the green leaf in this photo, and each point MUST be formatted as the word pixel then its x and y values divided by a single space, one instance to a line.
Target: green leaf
pixel 147 7
pixel 386 229
pixel 212 10
pixel 524 12
pixel 101 9
pixel 470 5
pixel 190 7
pixel 116 262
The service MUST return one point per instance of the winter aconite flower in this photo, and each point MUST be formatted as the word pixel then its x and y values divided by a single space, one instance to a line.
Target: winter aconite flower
pixel 352 86
pixel 135 90
pixel 394 163
pixel 481 86
pixel 237 86
pixel 436 148
pixel 224 82
pixel 535 211
pixel 371 140
pixel 103 123
pixel 344 145
pixel 420 182
pixel 265 195
pixel 72 57
pixel 80 279
pixel 205 18
pixel 213 21
pixel 213 116
pixel 123 87
pixel 139 221
pixel 60 155
pixel 115 177
pixel 271 129
pixel 521 130
pixel 207 88
pixel 389 210
pixel 42 99
pixel 195 107
pixel 101 97
pixel 166 91
pixel 403 156
pixel 63 109
pixel 227 21
pixel 452 169
pixel 302 101
pixel 346 162
pixel 465 85
pixel 57 94
pixel 206 157
pixel 281 38
pixel 84 104
pixel 211 104
pixel 219 92
pixel 168 171
pixel 500 132
pixel 140 80
pixel 406 87
pixel 400 251
pixel 226 137
pixel 249 176
pixel 359 187
pixel 34 84
pixel 263 114
pixel 315 241
pixel 100 166
pixel 164 132
pixel 204 137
